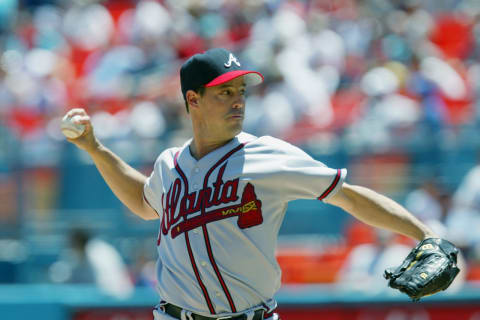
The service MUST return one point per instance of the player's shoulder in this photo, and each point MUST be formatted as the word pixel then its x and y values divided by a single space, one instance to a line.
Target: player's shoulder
pixel 276 146
pixel 167 156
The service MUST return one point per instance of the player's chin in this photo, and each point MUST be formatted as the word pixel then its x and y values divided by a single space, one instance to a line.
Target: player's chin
pixel 235 127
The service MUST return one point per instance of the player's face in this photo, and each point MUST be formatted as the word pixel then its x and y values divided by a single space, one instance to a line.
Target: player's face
pixel 222 108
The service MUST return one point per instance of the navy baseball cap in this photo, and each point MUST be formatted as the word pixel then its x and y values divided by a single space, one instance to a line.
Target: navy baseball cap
pixel 212 68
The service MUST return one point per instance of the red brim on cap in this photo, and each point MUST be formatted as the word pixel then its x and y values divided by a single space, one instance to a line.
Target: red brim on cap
pixel 252 78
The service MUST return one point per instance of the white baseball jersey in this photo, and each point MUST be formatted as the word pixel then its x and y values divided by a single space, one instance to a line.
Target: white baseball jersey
pixel 220 217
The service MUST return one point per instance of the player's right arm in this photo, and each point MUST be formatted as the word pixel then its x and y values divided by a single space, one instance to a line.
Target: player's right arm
pixel 125 182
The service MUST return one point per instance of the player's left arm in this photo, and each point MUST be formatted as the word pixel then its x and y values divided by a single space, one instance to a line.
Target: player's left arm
pixel 379 211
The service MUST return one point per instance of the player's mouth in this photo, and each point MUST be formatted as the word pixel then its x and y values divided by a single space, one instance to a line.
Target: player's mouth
pixel 236 116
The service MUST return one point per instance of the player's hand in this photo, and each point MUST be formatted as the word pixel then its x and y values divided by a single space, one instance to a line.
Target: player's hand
pixel 87 141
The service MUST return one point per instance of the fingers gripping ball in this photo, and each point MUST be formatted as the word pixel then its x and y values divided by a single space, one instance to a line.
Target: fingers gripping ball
pixel 71 128
pixel 429 268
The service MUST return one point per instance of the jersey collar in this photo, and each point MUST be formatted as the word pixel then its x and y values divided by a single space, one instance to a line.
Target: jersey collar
pixel 185 157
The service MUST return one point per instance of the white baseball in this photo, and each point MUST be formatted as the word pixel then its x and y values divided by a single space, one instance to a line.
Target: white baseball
pixel 71 128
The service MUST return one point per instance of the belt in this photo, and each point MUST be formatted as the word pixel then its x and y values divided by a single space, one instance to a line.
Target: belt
pixel 176 312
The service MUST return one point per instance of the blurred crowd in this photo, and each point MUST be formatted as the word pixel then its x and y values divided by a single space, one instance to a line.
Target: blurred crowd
pixel 372 74
pixel 369 71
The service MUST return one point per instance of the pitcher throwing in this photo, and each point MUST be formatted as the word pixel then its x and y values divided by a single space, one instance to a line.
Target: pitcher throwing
pixel 222 196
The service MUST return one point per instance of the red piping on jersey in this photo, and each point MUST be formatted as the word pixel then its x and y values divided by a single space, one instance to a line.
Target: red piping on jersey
pixel 187 241
pixel 205 232
pixel 332 186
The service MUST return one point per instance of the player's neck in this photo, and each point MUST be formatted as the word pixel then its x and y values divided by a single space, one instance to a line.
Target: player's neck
pixel 202 145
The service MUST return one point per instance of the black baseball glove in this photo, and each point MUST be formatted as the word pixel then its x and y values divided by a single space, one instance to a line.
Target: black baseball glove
pixel 429 268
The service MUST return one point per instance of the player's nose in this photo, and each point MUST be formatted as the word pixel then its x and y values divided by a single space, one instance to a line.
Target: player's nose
pixel 239 102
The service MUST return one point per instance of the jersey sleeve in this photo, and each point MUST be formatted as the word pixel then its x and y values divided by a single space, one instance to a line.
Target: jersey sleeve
pixel 152 189
pixel 296 175
pixel 313 180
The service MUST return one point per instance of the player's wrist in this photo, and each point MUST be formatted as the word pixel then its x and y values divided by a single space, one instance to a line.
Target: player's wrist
pixel 94 147
pixel 429 234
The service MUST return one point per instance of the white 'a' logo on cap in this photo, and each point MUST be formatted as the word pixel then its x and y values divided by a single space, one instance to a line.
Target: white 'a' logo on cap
pixel 231 58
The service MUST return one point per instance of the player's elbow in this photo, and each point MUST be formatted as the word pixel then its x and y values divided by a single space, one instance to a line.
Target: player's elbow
pixel 145 215
pixel 145 212
pixel 148 214
pixel 344 198
pixel 149 218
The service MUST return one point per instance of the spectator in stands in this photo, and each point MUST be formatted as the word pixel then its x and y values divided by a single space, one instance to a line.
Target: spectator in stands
pixel 92 260
pixel 365 264
pixel 463 221
pixel 430 203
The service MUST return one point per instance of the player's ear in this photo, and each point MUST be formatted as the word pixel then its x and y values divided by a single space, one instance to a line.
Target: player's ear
pixel 192 98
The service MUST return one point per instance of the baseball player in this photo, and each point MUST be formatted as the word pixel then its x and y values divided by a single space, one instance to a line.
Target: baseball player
pixel 222 196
